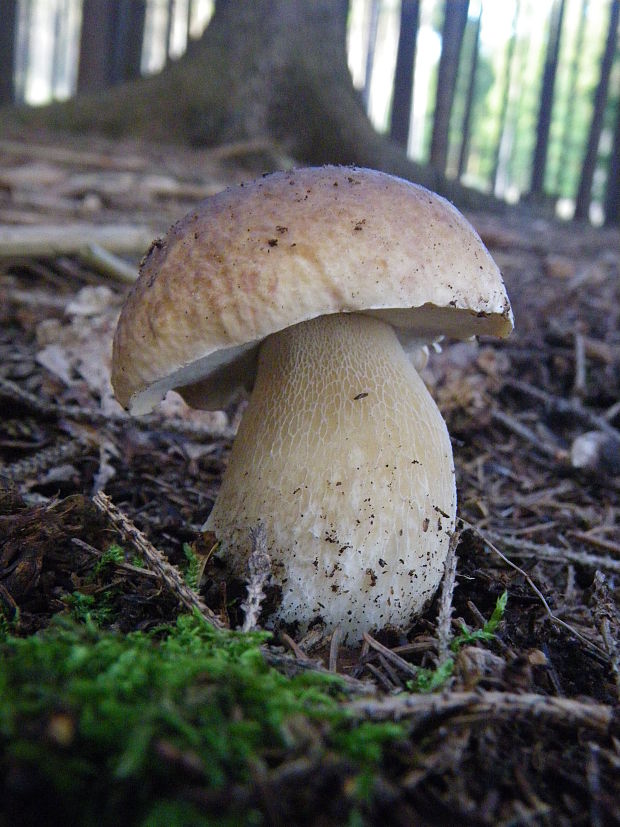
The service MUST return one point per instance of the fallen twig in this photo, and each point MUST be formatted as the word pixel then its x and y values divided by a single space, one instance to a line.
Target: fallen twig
pixel 168 573
pixel 561 405
pixel 607 622
pixel 486 705
pixel 555 452
pixel 51 456
pixel 579 386
pixel 259 572
pixel 597 542
pixel 108 264
pixel 11 390
pixel 544 551
pixel 141 572
pixel 444 618
pixel 52 240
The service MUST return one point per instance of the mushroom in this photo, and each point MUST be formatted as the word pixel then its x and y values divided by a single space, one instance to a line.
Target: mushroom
pixel 317 290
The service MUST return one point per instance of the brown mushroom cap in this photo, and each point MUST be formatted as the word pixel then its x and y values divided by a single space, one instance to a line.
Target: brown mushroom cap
pixel 263 256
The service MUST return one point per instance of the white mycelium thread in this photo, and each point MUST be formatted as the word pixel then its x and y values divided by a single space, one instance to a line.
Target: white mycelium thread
pixel 344 458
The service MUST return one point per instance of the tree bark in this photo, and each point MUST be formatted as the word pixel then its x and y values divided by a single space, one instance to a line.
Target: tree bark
pixel 128 37
pixel 95 41
pixel 612 190
pixel 373 28
pixel 567 132
pixel 539 163
pixel 270 69
pixel 110 43
pixel 7 52
pixel 582 204
pixel 404 74
pixel 452 38
pixel 505 97
pixel 469 100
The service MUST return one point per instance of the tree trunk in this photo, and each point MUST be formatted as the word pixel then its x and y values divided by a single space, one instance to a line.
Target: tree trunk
pixel 266 69
pixel 582 204
pixel 539 163
pixel 455 20
pixel 7 52
pixel 373 28
pixel 469 100
pixel 505 97
pixel 612 190
pixel 110 43
pixel 127 42
pixel 567 132
pixel 95 43
pixel 404 74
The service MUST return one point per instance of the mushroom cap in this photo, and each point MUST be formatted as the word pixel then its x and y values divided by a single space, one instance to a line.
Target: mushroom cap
pixel 288 247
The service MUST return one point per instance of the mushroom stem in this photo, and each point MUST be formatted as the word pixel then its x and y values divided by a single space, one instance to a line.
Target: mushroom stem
pixel 344 458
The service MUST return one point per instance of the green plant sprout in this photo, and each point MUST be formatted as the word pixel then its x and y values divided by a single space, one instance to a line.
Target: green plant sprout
pixel 431 680
pixel 111 556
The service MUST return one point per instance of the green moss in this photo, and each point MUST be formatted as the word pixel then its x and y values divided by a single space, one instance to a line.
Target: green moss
pixel 93 717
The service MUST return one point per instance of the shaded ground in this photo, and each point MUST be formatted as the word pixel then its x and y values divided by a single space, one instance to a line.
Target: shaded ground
pixel 526 727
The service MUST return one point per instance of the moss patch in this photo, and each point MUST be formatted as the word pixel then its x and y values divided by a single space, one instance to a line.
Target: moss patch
pixel 99 728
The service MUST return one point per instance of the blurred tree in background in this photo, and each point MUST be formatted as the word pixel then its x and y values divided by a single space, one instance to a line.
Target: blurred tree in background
pixel 513 98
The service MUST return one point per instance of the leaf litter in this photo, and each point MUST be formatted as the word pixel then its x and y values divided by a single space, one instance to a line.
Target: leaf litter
pixel 498 706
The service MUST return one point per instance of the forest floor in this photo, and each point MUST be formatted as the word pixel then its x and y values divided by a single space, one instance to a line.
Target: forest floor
pixel 506 710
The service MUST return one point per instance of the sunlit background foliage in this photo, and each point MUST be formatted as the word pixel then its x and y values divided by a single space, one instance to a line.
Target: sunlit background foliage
pixel 507 37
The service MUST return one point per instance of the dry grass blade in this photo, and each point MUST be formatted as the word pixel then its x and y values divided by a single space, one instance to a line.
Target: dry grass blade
pixel 535 589
pixel 400 663
pixel 334 645
pixel 155 560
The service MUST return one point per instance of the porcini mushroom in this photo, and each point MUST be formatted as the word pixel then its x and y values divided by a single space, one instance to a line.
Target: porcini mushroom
pixel 316 290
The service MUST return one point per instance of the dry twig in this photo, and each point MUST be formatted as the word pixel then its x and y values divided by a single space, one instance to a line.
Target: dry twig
pixel 53 455
pixel 563 406
pixel 607 622
pixel 544 551
pixel 118 564
pixel 51 240
pixel 556 453
pixel 12 391
pixel 444 619
pixel 259 572
pixel 487 705
pixel 168 574
pixel 106 263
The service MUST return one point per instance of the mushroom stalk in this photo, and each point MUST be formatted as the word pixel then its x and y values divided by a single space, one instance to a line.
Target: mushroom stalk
pixel 344 458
